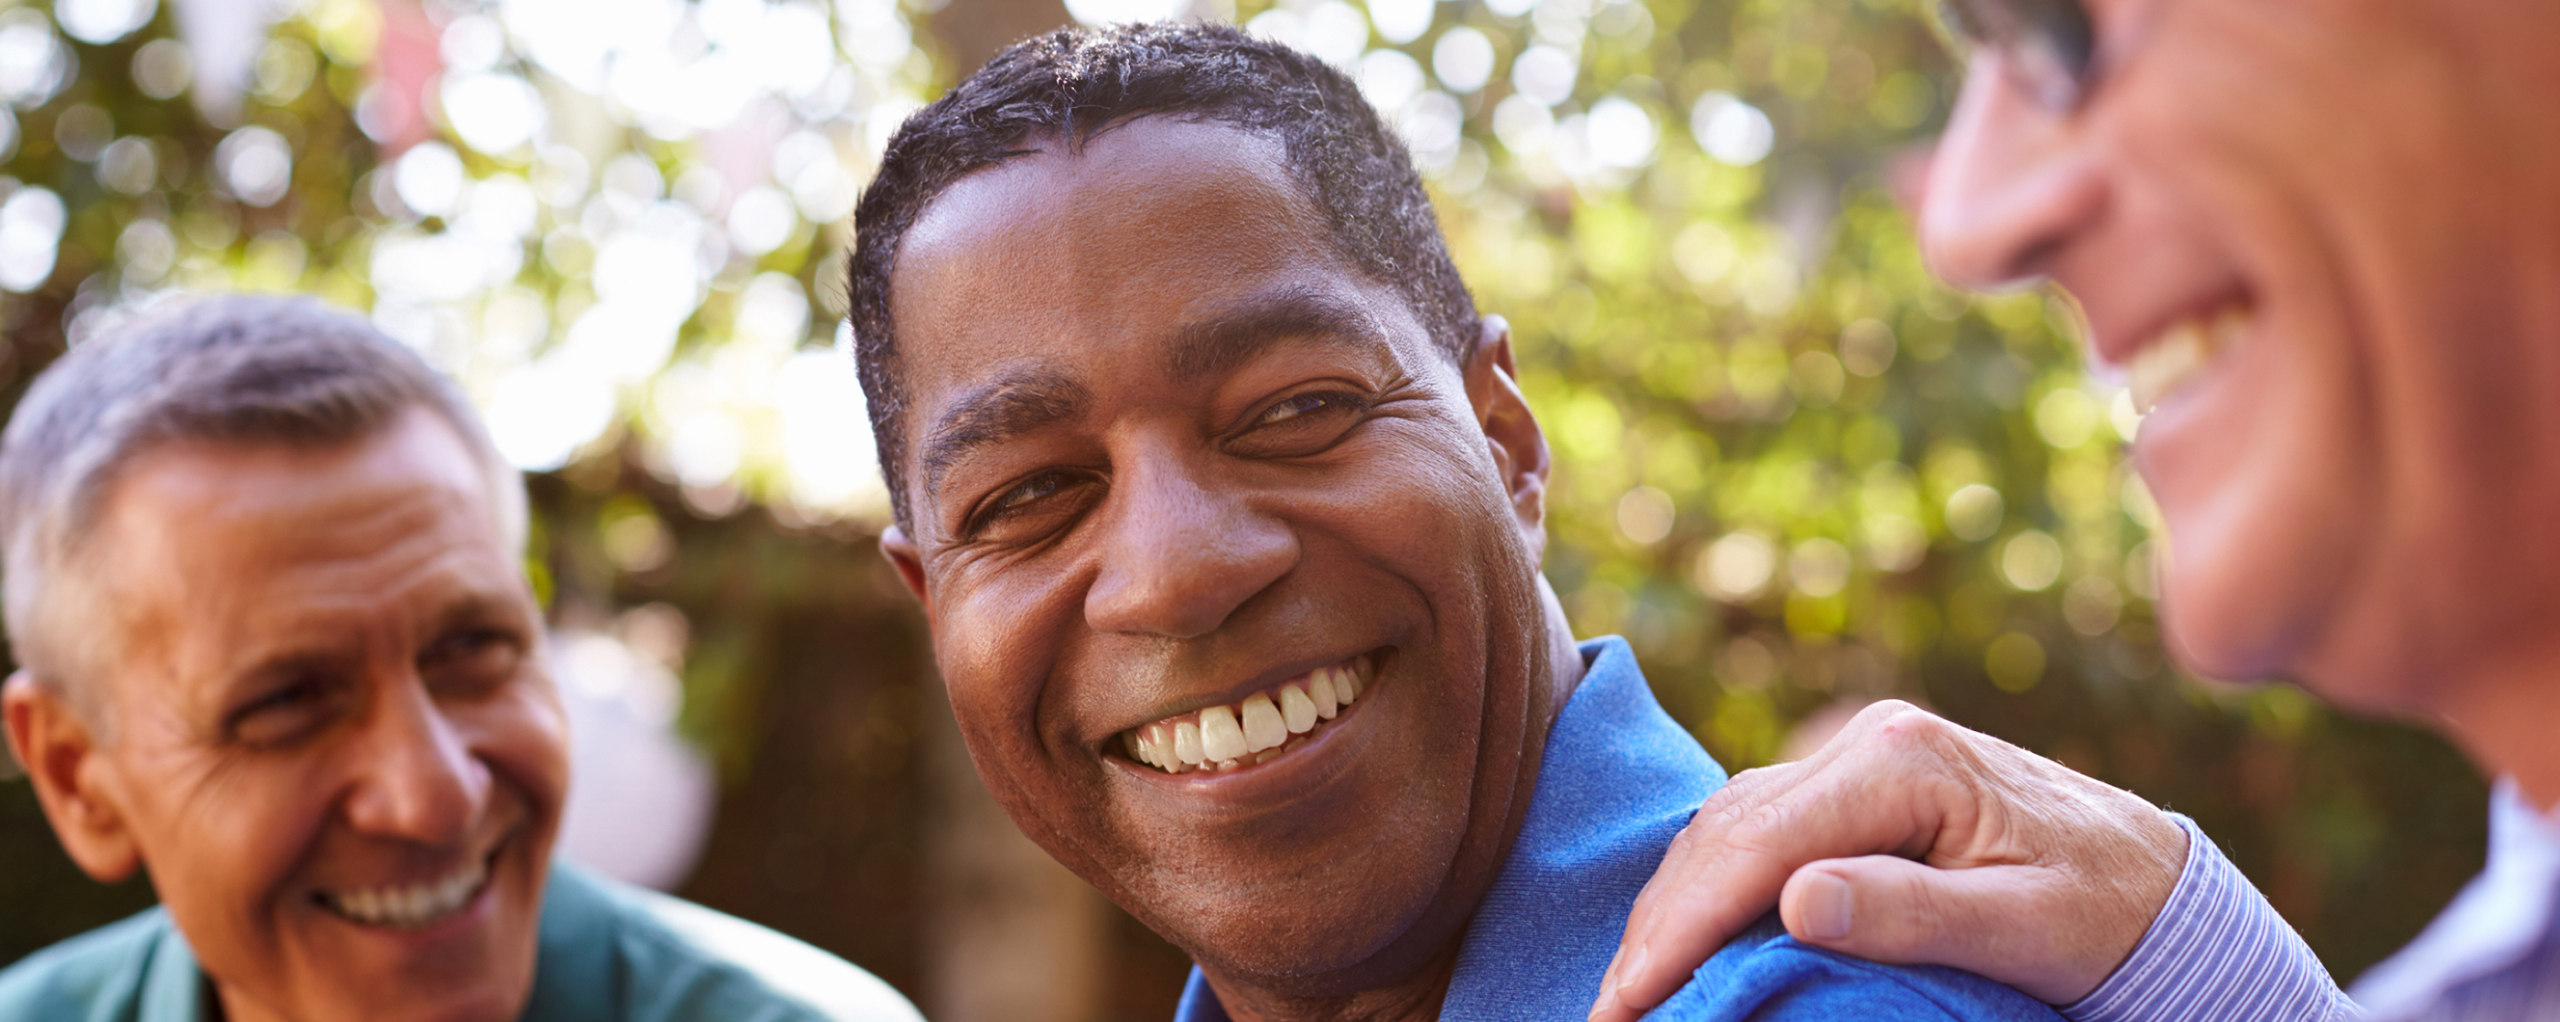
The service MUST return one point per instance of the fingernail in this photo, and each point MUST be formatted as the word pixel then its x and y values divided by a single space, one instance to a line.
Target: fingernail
pixel 1635 967
pixel 1825 907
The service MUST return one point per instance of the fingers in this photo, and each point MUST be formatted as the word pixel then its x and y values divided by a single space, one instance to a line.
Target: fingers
pixel 1990 921
pixel 1706 891
pixel 2028 872
pixel 1887 783
pixel 1863 792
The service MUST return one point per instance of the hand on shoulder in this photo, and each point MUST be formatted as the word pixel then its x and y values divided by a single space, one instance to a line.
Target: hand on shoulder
pixel 1909 839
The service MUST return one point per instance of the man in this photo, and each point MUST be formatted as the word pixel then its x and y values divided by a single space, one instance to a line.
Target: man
pixel 1226 514
pixel 278 651
pixel 2323 239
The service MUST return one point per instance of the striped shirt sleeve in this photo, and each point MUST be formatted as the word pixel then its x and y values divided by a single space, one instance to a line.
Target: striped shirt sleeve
pixel 2217 951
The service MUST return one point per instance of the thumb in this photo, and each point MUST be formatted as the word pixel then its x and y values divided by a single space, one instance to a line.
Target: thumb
pixel 1985 920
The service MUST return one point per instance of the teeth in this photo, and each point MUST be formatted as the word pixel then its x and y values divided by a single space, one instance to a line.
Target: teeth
pixel 1260 728
pixel 1220 738
pixel 1186 744
pixel 1320 692
pixel 1152 749
pixel 2181 354
pixel 413 906
pixel 1296 710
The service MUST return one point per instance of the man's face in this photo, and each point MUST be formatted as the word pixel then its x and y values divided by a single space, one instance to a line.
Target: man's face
pixel 1173 457
pixel 2327 232
pixel 330 737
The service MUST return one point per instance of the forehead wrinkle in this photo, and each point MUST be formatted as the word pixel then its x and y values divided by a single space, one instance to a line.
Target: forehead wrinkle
pixel 410 586
pixel 1018 402
pixel 308 556
pixel 1236 335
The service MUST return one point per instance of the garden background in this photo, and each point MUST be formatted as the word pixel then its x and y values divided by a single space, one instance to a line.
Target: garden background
pixel 1797 473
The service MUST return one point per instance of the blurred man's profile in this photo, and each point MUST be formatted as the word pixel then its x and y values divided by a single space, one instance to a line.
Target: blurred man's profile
pixel 278 652
pixel 2321 240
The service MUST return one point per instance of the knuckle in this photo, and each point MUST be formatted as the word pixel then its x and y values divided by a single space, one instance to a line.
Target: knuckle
pixel 1878 714
pixel 1758 777
pixel 1758 828
pixel 1918 732
pixel 1720 815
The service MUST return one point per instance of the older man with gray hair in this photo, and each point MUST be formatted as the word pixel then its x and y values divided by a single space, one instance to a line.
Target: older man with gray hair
pixel 2320 240
pixel 277 649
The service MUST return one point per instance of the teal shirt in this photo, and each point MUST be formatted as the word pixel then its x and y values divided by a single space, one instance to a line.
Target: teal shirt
pixel 609 953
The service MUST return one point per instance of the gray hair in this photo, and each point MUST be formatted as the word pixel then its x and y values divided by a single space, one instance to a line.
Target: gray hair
pixel 229 369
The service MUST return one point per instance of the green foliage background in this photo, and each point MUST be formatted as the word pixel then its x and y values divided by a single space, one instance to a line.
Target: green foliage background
pixel 1746 372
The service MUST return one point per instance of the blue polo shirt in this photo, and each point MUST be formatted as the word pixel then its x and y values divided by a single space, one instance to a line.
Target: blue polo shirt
pixel 608 953
pixel 1619 780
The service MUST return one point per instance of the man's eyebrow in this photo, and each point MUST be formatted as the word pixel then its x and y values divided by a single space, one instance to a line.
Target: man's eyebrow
pixel 476 607
pixel 1234 337
pixel 1000 409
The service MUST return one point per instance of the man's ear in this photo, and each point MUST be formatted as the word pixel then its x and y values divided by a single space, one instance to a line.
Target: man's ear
pixel 900 549
pixel 1519 446
pixel 60 752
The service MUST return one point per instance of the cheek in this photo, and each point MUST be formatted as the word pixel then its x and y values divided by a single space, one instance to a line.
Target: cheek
pixel 2266 483
pixel 525 740
pixel 224 845
pixel 996 643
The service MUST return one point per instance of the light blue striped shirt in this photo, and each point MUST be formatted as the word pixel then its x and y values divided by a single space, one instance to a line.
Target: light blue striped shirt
pixel 2219 950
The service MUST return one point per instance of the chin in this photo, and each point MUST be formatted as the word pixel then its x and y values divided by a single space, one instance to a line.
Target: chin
pixel 2232 607
pixel 2235 611
pixel 2268 534
pixel 2228 647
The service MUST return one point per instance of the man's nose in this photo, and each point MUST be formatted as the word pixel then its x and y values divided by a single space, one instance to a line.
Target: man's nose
pixel 1180 557
pixel 2009 187
pixel 418 780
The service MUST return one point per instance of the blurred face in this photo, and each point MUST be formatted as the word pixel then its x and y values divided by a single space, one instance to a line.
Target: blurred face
pixel 1232 574
pixel 333 745
pixel 2321 237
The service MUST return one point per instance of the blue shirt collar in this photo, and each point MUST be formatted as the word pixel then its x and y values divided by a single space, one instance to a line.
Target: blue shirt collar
pixel 1618 781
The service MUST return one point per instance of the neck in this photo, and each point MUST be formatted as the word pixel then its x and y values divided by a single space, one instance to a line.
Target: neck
pixel 223 1005
pixel 1416 995
pixel 1414 998
pixel 2503 720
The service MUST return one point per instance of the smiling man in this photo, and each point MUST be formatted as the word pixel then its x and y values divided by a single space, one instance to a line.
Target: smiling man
pixel 278 651
pixel 2321 239
pixel 1227 514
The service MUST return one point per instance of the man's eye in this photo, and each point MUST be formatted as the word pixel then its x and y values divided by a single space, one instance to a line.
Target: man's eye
pixel 1028 493
pixel 1300 425
pixel 1032 503
pixel 1301 406
pixel 472 659
pixel 283 714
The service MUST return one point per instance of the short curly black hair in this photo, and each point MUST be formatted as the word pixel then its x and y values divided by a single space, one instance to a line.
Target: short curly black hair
pixel 1075 82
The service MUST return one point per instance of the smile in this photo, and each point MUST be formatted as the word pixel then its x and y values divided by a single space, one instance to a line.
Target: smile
pixel 1264 726
pixel 2178 356
pixel 412 906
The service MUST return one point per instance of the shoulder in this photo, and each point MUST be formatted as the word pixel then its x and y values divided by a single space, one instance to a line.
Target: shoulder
pixel 93 975
pixel 1765 975
pixel 678 961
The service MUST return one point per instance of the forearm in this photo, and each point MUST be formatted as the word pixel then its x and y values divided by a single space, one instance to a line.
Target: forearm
pixel 2217 950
